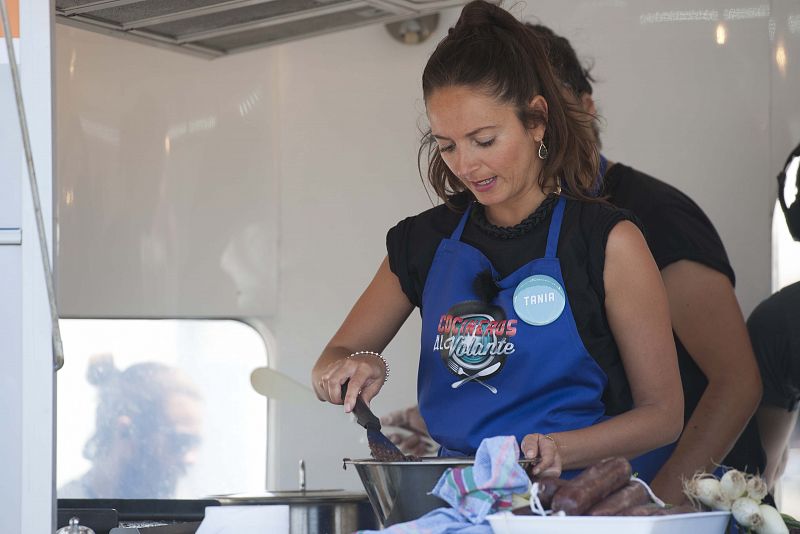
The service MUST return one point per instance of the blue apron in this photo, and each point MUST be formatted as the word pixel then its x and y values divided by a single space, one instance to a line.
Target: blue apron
pixel 512 366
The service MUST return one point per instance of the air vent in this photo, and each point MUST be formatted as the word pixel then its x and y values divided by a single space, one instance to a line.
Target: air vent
pixel 214 28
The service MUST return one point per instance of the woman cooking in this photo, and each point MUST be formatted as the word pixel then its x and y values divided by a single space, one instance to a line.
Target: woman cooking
pixel 543 314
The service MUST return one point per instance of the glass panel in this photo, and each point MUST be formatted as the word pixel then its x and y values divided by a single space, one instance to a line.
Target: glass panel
pixel 159 409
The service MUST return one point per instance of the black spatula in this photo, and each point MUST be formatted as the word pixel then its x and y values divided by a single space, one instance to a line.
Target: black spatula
pixel 381 448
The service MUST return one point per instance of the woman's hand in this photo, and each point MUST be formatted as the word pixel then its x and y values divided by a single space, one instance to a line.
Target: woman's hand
pixel 365 372
pixel 544 447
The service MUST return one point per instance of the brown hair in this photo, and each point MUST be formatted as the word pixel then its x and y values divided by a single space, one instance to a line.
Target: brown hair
pixel 491 51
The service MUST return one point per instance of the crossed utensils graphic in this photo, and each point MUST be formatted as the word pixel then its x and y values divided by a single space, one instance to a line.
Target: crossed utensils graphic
pixel 483 372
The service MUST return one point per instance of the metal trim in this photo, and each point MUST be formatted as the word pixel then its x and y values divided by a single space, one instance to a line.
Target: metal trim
pixel 274 21
pixel 189 13
pixel 167 40
pixel 385 20
pixel 94 6
pixel 426 7
pixel 10 236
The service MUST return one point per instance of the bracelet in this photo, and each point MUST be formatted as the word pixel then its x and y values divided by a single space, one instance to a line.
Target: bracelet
pixel 377 355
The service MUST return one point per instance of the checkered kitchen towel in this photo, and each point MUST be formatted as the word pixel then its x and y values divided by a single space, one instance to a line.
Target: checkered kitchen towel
pixel 474 492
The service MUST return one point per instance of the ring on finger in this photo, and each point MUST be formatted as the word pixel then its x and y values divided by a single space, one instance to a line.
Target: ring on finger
pixel 551 438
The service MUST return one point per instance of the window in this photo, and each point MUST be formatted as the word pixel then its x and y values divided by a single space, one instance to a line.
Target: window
pixel 159 409
pixel 785 251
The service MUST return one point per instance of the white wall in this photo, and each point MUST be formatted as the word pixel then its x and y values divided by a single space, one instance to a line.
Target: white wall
pixel 167 167
pixel 325 163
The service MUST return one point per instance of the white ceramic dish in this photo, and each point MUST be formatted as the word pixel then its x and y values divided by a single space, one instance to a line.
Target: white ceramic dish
pixel 699 523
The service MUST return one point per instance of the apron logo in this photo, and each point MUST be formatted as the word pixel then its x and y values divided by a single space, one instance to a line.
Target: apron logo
pixel 473 341
pixel 539 300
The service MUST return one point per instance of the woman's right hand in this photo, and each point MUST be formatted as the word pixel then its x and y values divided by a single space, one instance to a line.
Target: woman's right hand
pixel 366 374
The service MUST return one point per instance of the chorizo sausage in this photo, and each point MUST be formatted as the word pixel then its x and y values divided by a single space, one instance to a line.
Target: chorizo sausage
pixel 632 494
pixel 673 510
pixel 591 486
pixel 642 509
pixel 654 509
pixel 548 488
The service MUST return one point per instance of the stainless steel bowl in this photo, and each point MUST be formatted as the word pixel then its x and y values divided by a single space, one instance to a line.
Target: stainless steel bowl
pixel 398 491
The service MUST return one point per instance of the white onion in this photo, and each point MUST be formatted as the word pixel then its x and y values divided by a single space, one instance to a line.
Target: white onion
pixel 773 522
pixel 756 488
pixel 747 513
pixel 707 491
pixel 733 485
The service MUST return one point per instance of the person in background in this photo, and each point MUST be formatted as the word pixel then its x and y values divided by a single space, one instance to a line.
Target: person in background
pixel 147 432
pixel 543 313
pixel 774 328
pixel 714 352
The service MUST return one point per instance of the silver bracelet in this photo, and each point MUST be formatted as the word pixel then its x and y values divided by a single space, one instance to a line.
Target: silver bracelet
pixel 377 355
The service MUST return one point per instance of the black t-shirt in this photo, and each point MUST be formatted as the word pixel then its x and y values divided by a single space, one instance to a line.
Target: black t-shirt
pixel 677 229
pixel 412 244
pixel 774 328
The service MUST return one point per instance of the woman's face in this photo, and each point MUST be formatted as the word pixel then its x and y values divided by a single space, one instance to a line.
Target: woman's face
pixel 487 147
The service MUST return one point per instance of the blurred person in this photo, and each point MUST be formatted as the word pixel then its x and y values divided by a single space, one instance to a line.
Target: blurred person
pixel 774 327
pixel 147 432
pixel 775 331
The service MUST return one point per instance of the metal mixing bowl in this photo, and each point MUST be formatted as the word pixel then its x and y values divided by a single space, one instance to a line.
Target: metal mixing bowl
pixel 398 491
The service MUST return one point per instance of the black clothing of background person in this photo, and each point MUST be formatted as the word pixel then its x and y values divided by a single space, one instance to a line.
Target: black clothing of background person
pixel 677 229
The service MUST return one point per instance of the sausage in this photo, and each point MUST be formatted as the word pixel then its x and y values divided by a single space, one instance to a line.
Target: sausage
pixel 642 509
pixel 632 494
pixel 548 488
pixel 654 509
pixel 673 510
pixel 591 486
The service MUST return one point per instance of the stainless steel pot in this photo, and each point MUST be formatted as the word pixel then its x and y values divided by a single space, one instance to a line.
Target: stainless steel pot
pixel 314 512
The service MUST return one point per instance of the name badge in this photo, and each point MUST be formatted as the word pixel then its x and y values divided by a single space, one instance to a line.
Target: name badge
pixel 539 300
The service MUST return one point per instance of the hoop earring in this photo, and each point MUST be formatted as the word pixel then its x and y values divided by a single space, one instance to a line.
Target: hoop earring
pixel 542 150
